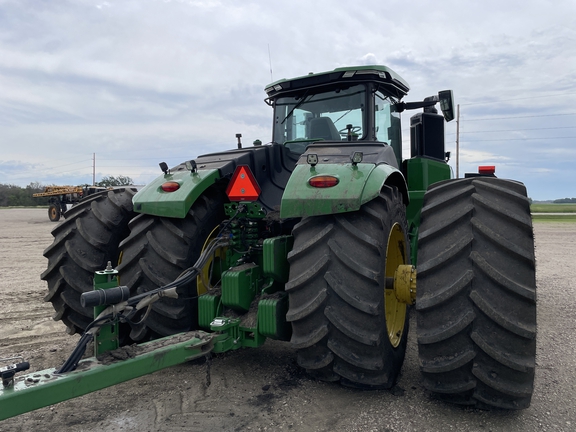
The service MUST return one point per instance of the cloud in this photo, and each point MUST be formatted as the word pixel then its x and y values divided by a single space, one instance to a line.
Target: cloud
pixel 137 82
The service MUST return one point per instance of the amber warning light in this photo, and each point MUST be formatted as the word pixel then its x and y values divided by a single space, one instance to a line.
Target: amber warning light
pixel 243 186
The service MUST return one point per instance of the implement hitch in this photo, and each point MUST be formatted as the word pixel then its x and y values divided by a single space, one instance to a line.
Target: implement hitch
pixel 109 366
pixel 43 388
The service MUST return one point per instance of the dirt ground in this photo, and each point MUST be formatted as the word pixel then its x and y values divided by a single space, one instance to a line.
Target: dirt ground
pixel 263 389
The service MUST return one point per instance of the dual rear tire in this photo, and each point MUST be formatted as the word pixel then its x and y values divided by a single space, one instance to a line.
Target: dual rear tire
pixel 476 303
pixel 346 325
pixel 84 243
pixel 157 251
pixel 476 294
pixel 152 251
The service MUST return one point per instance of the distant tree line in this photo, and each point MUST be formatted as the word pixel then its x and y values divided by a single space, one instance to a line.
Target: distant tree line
pixel 17 196
pixel 11 195
pixel 564 201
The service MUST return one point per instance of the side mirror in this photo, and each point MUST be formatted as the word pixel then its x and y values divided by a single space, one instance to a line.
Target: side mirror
pixel 446 99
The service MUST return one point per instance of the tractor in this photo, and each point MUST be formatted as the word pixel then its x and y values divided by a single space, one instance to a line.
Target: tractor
pixel 325 238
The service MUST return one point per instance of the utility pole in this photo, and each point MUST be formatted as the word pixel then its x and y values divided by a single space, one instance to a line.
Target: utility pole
pixel 458 141
pixel 93 169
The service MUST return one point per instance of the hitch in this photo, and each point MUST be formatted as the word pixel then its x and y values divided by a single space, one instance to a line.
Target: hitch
pixel 47 387
pixel 7 372
pixel 110 364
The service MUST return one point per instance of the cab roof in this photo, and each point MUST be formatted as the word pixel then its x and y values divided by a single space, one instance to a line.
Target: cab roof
pixel 386 79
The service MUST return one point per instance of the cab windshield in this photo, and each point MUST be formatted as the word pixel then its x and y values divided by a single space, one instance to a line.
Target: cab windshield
pixel 320 116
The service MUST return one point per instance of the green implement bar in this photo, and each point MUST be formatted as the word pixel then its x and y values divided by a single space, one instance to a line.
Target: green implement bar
pixel 43 388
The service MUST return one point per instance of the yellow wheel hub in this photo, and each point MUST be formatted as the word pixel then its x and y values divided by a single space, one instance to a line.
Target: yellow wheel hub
pixel 405 284
pixel 400 284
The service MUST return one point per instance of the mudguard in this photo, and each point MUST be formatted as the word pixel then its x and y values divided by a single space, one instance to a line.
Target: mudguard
pixel 271 165
pixel 154 201
pixel 357 184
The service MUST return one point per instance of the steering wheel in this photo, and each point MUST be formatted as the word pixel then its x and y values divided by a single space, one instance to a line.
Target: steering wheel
pixel 344 132
pixel 353 130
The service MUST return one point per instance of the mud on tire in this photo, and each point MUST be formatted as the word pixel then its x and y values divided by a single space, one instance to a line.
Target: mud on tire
pixel 336 294
pixel 476 303
pixel 157 251
pixel 83 243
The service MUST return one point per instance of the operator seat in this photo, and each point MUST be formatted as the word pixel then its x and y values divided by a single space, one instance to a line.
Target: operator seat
pixel 323 127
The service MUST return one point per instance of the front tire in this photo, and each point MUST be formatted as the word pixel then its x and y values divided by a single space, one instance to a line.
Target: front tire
pixel 157 251
pixel 346 325
pixel 476 297
pixel 84 243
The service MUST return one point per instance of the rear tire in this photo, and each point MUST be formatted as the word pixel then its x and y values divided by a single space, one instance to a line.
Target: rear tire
pixel 84 243
pixel 54 212
pixel 476 296
pixel 157 251
pixel 337 293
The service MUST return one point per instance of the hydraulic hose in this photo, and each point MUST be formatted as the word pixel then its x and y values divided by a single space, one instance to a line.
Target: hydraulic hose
pixel 136 303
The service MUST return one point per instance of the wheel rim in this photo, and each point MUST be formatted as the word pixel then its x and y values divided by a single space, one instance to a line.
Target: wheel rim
pixel 212 270
pixel 395 310
pixel 53 212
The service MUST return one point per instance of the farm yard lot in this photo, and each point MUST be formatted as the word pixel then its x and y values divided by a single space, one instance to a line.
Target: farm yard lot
pixel 263 389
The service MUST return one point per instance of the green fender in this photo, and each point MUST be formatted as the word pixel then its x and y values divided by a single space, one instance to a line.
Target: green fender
pixel 357 185
pixel 153 200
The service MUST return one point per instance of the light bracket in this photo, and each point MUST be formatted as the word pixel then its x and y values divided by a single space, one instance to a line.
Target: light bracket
pixel 312 159
pixel 356 157
pixel 191 166
pixel 164 167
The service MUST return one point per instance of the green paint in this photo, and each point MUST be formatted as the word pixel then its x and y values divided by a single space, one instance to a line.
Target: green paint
pixel 275 257
pixel 357 185
pixel 107 337
pixel 272 317
pixel 43 388
pixel 153 200
pixel 421 173
pixel 239 286
pixel 232 335
pixel 209 307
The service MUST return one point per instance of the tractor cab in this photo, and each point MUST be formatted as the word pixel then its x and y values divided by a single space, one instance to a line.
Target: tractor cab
pixel 347 104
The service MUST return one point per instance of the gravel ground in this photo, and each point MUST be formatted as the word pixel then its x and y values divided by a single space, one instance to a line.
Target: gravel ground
pixel 263 389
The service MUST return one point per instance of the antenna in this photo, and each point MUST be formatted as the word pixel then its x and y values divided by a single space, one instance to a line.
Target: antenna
pixel 270 61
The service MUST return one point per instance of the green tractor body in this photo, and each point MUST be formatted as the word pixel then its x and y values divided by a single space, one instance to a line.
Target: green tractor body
pixel 318 238
pixel 311 117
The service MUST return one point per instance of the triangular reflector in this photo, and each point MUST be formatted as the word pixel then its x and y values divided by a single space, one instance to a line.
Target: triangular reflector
pixel 243 185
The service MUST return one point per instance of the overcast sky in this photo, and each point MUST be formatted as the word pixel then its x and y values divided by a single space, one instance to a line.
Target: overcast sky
pixel 140 82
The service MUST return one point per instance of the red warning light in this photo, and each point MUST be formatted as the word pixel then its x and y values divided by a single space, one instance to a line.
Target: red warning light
pixel 170 186
pixel 486 169
pixel 323 181
pixel 243 186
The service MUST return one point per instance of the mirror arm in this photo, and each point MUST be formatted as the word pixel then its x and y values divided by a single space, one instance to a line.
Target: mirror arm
pixel 444 97
pixel 431 101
